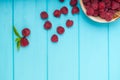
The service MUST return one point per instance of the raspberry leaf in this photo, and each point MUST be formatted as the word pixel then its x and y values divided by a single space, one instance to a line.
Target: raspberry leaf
pixel 17 39
pixel 16 32
pixel 18 45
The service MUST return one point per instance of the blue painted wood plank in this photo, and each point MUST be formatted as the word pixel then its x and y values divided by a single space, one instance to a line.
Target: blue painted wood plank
pixel 30 62
pixel 93 49
pixel 62 56
pixel 114 50
pixel 6 40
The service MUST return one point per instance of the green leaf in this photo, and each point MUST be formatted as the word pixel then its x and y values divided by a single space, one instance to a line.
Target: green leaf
pixel 18 45
pixel 16 32
pixel 17 39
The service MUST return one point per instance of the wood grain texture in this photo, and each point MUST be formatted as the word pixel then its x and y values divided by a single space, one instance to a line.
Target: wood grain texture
pixel 93 49
pixel 30 62
pixel 62 56
pixel 114 50
pixel 86 51
pixel 6 40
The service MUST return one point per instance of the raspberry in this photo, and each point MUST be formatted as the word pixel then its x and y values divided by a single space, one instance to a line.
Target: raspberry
pixel 108 4
pixel 105 9
pixel 86 1
pixel 24 42
pixel 117 0
pixel 26 32
pixel 47 25
pixel 75 10
pixel 106 1
pixel 54 38
pixel 101 10
pixel 108 16
pixel 94 1
pixel 69 23
pixel 87 5
pixel 112 11
pixel 57 13
pixel 118 9
pixel 101 5
pixel 61 0
pixel 60 30
pixel 102 15
pixel 73 2
pixel 64 10
pixel 96 13
pixel 94 6
pixel 115 5
pixel 44 15
pixel 90 11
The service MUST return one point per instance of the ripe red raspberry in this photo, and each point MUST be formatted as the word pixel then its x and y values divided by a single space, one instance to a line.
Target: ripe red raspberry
pixel 117 0
pixel 47 25
pixel 44 15
pixel 54 38
pixel 60 30
pixel 73 2
pixel 94 5
pixel 87 5
pixel 94 1
pixel 75 10
pixel 64 10
pixel 24 42
pixel 108 4
pixel 85 1
pixel 90 11
pixel 112 11
pixel 101 5
pixel 57 13
pixel 102 15
pixel 26 32
pixel 61 0
pixel 115 5
pixel 108 16
pixel 69 23
pixel 105 9
pixel 96 13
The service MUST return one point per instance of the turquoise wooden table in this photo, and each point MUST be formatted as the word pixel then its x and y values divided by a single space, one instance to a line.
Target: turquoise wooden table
pixel 87 51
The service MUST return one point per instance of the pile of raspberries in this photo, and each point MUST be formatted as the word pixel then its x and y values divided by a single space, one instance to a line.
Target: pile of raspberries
pixel 57 14
pixel 105 9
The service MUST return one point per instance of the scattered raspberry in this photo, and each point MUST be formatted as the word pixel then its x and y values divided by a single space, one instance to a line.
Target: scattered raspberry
pixel 61 0
pixel 69 23
pixel 47 25
pixel 44 15
pixel 73 2
pixel 24 42
pixel 57 13
pixel 75 10
pixel 60 30
pixel 26 32
pixel 54 38
pixel 64 10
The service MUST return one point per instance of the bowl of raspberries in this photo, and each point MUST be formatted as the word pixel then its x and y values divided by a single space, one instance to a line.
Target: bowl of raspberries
pixel 103 11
